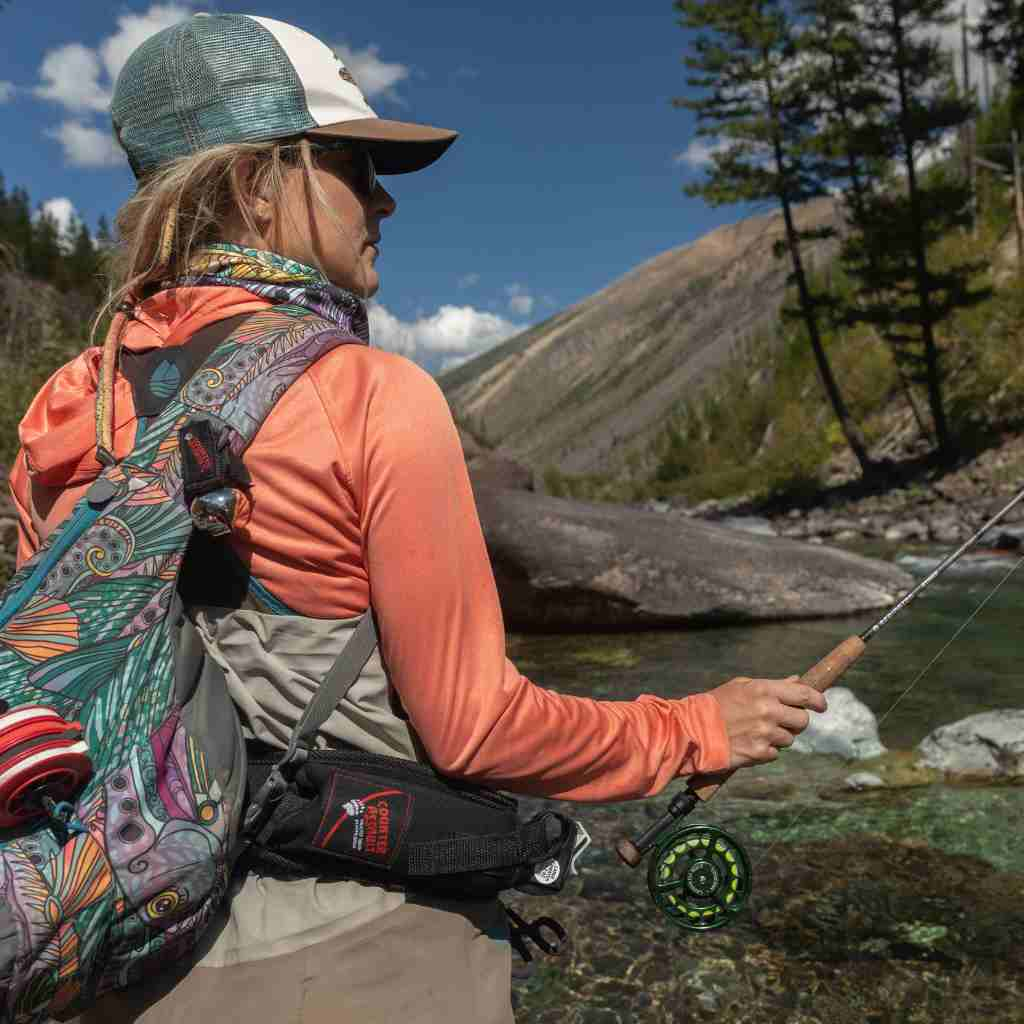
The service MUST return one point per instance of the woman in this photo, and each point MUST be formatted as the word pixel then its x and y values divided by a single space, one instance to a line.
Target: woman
pixel 257 155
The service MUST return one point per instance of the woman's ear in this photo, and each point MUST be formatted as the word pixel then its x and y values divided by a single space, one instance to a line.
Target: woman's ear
pixel 248 196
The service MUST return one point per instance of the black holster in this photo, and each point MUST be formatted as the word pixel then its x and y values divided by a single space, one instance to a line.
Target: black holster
pixel 350 814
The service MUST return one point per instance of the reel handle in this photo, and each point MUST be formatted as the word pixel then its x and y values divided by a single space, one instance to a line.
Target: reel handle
pixel 703 787
pixel 631 852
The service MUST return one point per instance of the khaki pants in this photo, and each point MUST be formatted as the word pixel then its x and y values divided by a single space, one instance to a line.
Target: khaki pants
pixel 417 964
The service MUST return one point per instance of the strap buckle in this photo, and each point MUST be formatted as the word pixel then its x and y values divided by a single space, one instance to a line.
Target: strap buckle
pixel 275 787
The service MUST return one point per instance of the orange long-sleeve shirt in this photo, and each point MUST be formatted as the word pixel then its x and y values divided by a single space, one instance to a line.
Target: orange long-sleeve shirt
pixel 361 495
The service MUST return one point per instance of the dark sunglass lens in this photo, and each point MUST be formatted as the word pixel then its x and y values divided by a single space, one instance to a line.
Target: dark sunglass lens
pixel 369 182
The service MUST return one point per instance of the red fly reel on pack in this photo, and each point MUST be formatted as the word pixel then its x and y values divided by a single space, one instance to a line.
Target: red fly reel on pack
pixel 41 755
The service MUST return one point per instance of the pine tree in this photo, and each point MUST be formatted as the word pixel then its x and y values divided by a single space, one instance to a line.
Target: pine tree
pixel 838 44
pixel 82 262
pixel 16 223
pixel 906 104
pixel 756 102
pixel 1000 35
pixel 44 256
pixel 103 235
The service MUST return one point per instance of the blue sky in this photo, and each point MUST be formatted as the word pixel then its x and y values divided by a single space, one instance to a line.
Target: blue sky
pixel 568 173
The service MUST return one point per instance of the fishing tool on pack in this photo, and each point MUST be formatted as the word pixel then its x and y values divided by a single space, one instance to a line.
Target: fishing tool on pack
pixel 44 762
pixel 544 932
pixel 699 876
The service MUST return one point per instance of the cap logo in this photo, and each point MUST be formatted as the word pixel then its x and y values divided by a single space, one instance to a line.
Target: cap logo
pixel 344 72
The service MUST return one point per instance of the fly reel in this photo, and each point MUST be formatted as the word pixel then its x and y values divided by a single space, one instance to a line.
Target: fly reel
pixel 699 877
pixel 43 762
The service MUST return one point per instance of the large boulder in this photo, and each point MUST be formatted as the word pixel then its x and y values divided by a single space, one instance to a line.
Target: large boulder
pixel 493 468
pixel 989 745
pixel 563 564
pixel 848 728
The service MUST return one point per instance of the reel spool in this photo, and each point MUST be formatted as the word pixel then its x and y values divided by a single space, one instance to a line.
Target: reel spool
pixel 43 760
pixel 699 877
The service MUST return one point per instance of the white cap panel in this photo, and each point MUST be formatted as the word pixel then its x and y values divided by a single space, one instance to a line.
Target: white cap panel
pixel 331 94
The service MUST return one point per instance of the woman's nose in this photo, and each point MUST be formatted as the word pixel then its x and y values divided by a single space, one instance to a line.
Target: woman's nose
pixel 384 203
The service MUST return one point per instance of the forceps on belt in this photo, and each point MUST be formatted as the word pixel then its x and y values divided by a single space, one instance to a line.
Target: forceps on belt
pixel 534 931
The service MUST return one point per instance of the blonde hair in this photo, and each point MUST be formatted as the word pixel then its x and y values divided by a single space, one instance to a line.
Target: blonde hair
pixel 187 203
pixel 180 207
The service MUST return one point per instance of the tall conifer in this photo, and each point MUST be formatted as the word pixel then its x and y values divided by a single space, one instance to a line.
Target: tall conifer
pixel 754 102
pixel 913 105
pixel 1000 35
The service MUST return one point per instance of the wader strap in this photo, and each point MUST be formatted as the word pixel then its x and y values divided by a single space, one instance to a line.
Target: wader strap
pixel 530 844
pixel 338 681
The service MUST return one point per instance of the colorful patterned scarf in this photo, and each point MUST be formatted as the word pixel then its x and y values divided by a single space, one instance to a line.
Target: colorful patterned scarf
pixel 276 278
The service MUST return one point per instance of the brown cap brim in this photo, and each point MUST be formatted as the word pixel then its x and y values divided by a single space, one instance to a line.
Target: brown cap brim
pixel 397 147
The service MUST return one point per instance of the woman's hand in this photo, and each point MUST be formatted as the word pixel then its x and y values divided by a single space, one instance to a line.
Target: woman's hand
pixel 762 715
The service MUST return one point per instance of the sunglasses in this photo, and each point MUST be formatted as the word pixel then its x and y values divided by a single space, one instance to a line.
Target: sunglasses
pixel 360 172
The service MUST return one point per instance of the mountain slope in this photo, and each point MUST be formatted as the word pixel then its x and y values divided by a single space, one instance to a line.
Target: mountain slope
pixel 595 382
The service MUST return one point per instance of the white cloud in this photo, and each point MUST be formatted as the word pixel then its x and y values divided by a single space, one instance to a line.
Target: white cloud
pixel 468 280
pixel 71 76
pixel 458 331
pixel 6 91
pixel 85 146
pixel 63 212
pixel 520 301
pixel 135 29
pixel 699 152
pixel 82 81
pixel 375 76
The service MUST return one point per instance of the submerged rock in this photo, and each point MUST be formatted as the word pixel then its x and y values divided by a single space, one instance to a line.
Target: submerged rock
pixel 849 728
pixel 989 745
pixel 863 780
pixel 562 564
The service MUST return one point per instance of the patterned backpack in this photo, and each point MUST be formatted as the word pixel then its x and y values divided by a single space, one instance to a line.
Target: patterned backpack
pixel 111 874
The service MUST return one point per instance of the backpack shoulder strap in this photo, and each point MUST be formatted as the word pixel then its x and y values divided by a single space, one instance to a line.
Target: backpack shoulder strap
pixel 156 375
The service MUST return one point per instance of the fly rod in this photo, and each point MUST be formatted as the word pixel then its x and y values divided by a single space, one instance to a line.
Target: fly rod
pixel 700 876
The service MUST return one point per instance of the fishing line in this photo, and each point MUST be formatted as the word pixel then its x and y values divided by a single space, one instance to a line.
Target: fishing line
pixel 970 618
pixel 699 875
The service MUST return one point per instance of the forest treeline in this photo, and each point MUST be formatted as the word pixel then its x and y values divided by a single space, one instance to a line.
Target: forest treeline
pixel 32 242
pixel 806 98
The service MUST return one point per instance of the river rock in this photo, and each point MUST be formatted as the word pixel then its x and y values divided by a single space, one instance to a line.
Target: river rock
pixel 946 530
pixel 989 745
pixel 863 780
pixel 750 524
pixel 564 564
pixel 848 728
pixel 911 529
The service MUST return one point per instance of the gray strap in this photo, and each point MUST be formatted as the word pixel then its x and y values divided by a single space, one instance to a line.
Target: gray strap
pixel 336 684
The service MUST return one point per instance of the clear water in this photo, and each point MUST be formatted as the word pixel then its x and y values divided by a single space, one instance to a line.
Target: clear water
pixel 980 671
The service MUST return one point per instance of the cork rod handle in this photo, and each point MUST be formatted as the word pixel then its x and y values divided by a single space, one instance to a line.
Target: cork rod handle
pixel 820 677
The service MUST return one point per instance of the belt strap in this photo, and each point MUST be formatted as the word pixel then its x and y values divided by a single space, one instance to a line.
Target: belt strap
pixel 531 843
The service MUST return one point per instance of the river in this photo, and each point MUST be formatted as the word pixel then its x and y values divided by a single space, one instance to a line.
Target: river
pixel 904 903
pixel 980 671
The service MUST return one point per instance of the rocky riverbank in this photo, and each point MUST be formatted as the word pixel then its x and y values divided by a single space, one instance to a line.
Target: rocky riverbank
pixel 930 505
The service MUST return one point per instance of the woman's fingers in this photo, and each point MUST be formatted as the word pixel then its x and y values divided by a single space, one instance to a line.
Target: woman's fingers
pixel 763 716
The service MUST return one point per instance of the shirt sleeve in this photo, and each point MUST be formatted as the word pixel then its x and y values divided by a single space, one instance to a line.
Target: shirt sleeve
pixel 443 638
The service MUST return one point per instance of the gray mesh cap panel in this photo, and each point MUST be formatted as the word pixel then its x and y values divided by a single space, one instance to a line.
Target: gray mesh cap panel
pixel 207 81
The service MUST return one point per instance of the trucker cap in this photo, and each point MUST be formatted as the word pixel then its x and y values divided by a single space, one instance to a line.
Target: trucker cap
pixel 219 78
